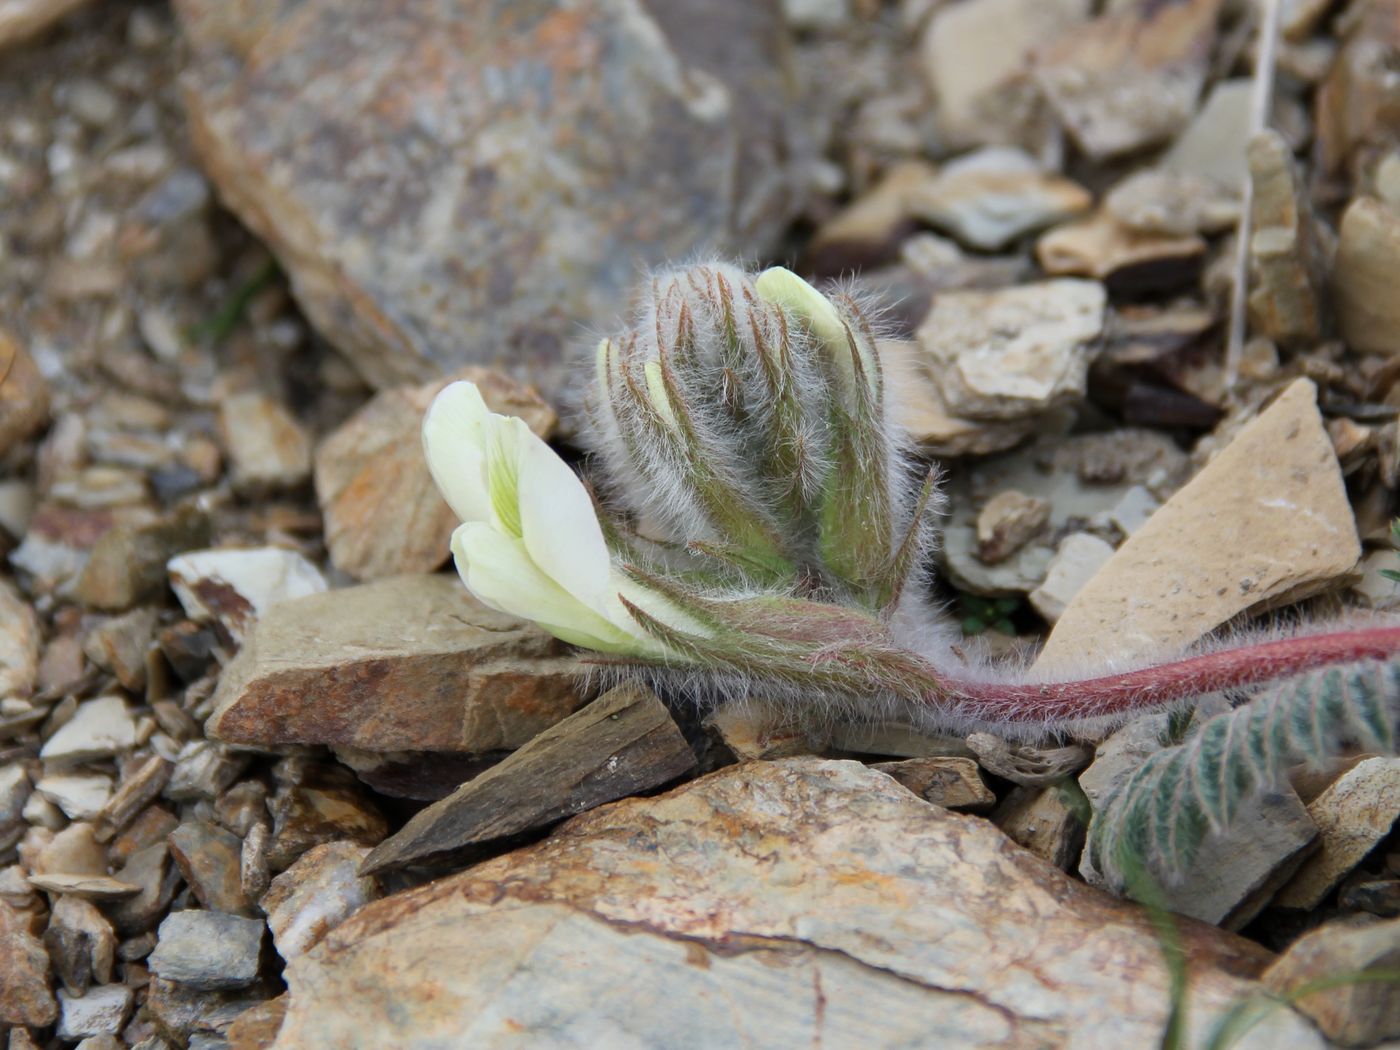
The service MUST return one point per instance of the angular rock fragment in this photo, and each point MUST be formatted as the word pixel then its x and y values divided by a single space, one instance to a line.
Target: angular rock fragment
pixel 622 743
pixel 1210 146
pixel 1353 815
pixel 119 645
pixel 80 795
pixel 127 565
pixel 384 516
pixel 1286 252
pixel 19 644
pixel 98 1011
pixel 1358 1013
pixel 1355 103
pixel 1009 353
pixel 25 995
pixel 799 893
pixel 81 943
pixel 208 950
pixel 317 804
pixel 1129 78
pixel 233 587
pixel 1363 280
pixel 869 230
pixel 407 664
pixel 409 236
pixel 1248 543
pixel 102 727
pixel 953 783
pixel 1078 557
pixel 316 894
pixel 207 857
pixel 1006 522
pixel 24 393
pixel 1039 819
pixel 267 447
pixel 1125 259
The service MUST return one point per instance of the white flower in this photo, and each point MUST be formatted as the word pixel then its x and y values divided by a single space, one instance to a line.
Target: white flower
pixel 530 543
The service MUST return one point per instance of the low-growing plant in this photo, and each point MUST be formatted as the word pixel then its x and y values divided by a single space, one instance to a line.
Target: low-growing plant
pixel 758 524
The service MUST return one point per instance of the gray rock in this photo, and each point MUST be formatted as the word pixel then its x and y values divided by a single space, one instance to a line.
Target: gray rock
pixel 315 895
pixel 81 943
pixel 1078 557
pixel 101 1010
pixel 384 167
pixel 208 857
pixel 208 950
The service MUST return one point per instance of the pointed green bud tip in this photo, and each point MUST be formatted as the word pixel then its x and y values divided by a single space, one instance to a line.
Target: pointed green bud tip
pixel 783 288
pixel 656 392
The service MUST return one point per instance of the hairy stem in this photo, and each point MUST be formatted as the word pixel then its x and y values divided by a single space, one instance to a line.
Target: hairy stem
pixel 1151 687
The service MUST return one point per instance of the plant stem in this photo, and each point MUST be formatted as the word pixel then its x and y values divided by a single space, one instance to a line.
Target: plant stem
pixel 1153 687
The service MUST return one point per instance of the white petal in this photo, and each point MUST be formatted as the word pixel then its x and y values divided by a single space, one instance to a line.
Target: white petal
pixel 560 526
pixel 498 570
pixel 454 436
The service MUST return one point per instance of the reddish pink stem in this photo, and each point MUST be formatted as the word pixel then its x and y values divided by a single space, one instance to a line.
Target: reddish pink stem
pixel 1152 687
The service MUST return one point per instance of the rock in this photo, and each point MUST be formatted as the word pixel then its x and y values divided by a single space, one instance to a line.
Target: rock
pixel 1027 764
pixel 1368 253
pixel 916 402
pixel 407 664
pixel 195 1017
pixel 119 645
pixel 1012 352
pixel 80 795
pixel 234 587
pixel 1079 556
pixel 316 894
pixel 74 849
pixel 1134 510
pixel 990 198
pixel 19 644
pixel 208 950
pixel 953 783
pixel 127 565
pixel 1353 1013
pixel 622 743
pixel 102 727
pixel 15 787
pixel 88 887
pixel 22 19
pixel 320 804
pixel 1038 819
pixel 146 869
pixel 1377 591
pixel 1129 78
pixel 1354 814
pixel 99 1011
pixel 24 393
pixel 257 1027
pixel 81 944
pixel 204 769
pixel 1354 103
pixel 1159 593
pixel 142 782
pixel 25 995
pixel 56 546
pixel 1210 145
pixel 1172 203
pixel 752 729
pixel 254 872
pixel 207 857
pixel 893 738
pixel 1006 522
pixel 975 56
pixel 266 446
pixel 301 120
pixel 869 231
pixel 1125 259
pixel 1289 261
pixel 384 516
pixel 796 892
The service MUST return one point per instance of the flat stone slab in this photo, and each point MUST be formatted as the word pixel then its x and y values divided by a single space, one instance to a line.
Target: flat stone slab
pixel 412 663
pixel 791 903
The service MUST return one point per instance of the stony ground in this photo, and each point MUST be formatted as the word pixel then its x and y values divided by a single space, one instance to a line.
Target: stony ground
pixel 269 778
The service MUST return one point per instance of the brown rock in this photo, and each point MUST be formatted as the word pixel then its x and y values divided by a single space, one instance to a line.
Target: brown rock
pixel 1129 78
pixel 1039 819
pixel 207 857
pixel 953 783
pixel 127 565
pixel 25 996
pixel 145 868
pixel 256 1028
pixel 1223 543
pixel 19 643
pixel 622 743
pixel 408 664
pixel 118 644
pixel 24 393
pixel 1363 281
pixel 1355 105
pixel 1352 816
pixel 410 235
pixel 798 893
pixel 320 804
pixel 1125 259
pixel 81 944
pixel 1286 252
pixel 869 230
pixel 1006 522
pixel 22 19
pixel 1359 1013
pixel 266 446
pixel 384 516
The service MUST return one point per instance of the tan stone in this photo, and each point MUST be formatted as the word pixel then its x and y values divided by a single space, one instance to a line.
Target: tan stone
pixel 1358 1013
pixel 1267 516
pixel 25 995
pixel 1287 255
pixel 19 644
pixel 775 904
pixel 1007 521
pixel 1102 247
pixel 22 19
pixel 383 514
pixel 1352 816
pixel 1129 78
pixel 919 407
pixel 868 230
pixel 266 445
pixel 1039 819
pixel 24 393
pixel 413 663
pixel 1363 279
pixel 950 782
